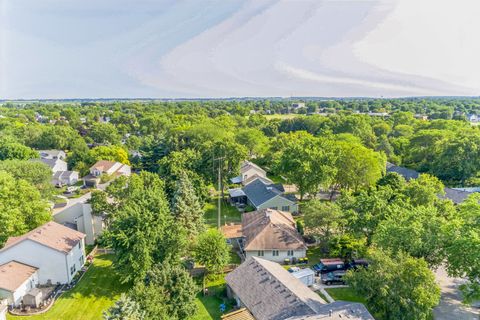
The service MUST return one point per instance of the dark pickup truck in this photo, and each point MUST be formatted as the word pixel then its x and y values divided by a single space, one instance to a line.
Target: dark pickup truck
pixel 334 277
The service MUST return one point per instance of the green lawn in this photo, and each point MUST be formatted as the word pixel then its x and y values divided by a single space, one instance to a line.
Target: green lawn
pixel 283 116
pixel 345 294
pixel 209 306
pixel 231 213
pixel 96 292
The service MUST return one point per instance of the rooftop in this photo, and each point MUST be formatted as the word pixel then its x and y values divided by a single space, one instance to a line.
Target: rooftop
pixel 273 293
pixel 259 192
pixel 240 314
pixel 103 165
pixel 52 235
pixel 13 274
pixel 270 229
pixel 232 231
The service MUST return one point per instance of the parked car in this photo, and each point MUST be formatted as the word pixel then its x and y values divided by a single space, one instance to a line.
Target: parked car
pixel 334 277
pixel 357 263
pixel 329 265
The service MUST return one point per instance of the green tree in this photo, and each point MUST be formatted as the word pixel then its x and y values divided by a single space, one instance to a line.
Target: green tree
pixel 111 153
pixel 322 219
pixel 254 140
pixel 400 288
pixel 21 207
pixel 142 230
pixel 16 151
pixel 168 292
pixel 187 208
pixel 124 308
pixel 211 251
pixel 104 133
pixel 347 247
pixel 36 173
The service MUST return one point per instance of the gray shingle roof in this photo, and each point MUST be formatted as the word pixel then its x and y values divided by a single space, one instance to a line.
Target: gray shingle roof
pixel 270 292
pixel 340 310
pixel 258 192
pixel 457 196
pixel 404 172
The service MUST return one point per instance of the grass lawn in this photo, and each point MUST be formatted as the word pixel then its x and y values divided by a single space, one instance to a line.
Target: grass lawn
pixel 283 116
pixel 345 294
pixel 209 306
pixel 231 213
pixel 96 292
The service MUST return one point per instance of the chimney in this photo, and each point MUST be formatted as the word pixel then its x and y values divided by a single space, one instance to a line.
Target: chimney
pixel 330 312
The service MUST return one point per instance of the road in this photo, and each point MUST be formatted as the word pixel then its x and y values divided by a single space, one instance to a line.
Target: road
pixel 451 307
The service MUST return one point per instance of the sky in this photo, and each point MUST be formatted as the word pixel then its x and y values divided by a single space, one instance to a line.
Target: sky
pixel 52 49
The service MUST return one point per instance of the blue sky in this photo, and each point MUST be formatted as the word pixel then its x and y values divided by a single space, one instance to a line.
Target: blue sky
pixel 224 48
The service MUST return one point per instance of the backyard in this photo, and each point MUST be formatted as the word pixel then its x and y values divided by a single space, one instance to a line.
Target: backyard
pixel 229 213
pixel 209 306
pixel 345 294
pixel 95 292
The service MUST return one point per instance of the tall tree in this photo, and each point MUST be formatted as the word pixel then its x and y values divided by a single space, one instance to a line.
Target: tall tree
pixel 36 173
pixel 124 308
pixel 16 151
pixel 322 219
pixel 167 292
pixel 186 207
pixel 211 250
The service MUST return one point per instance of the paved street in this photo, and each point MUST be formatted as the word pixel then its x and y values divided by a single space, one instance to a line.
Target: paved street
pixel 451 307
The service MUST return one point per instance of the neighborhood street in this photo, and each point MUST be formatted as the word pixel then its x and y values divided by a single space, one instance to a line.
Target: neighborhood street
pixel 451 307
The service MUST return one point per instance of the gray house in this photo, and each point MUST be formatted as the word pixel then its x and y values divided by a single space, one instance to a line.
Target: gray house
pixel 269 292
pixel 262 195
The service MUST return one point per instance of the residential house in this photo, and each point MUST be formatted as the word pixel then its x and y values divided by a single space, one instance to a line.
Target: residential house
pixel 247 170
pixel 55 164
pixel 269 292
pixel 65 178
pixel 272 235
pixel 57 251
pixel 16 279
pixel 52 154
pixel 77 215
pixel 105 167
pixel 262 195
pixel 456 195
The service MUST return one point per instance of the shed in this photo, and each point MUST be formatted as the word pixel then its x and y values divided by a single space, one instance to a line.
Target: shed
pixel 307 276
pixel 33 298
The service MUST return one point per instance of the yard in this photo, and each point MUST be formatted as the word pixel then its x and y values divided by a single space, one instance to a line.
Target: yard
pixel 345 294
pixel 231 213
pixel 96 292
pixel 209 306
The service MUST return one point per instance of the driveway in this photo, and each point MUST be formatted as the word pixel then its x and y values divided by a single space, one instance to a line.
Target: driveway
pixel 451 307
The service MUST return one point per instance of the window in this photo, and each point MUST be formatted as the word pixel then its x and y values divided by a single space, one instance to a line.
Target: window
pixel 72 269
pixel 286 208
pixel 274 208
pixel 275 253
pixel 81 260
pixel 260 253
pixel 290 253
pixel 79 244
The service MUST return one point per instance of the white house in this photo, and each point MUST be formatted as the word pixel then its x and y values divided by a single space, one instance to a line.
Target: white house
pixel 78 216
pixel 65 178
pixel 247 171
pixel 57 251
pixel 272 235
pixel 106 167
pixel 55 164
pixel 52 154
pixel 16 279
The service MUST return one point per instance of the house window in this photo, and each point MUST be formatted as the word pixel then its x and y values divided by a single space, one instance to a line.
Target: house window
pixel 72 269
pixel 260 253
pixel 81 260
pixel 274 208
pixel 79 245
pixel 275 253
pixel 290 253
pixel 285 208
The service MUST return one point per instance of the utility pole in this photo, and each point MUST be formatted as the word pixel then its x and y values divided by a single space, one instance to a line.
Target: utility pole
pixel 219 205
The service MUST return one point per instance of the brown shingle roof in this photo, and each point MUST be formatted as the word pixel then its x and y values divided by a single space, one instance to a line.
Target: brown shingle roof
pixel 241 314
pixel 269 229
pixel 232 231
pixel 270 292
pixel 13 274
pixel 52 235
pixel 103 165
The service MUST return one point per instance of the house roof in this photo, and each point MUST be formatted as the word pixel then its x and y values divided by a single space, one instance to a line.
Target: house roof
pixel 265 180
pixel 272 292
pixel 240 314
pixel 13 274
pixel 103 165
pixel 269 229
pixel 52 235
pixel 237 192
pixel 51 162
pixel 247 165
pixel 232 231
pixel 404 172
pixel 303 272
pixel 339 310
pixel 63 174
pixel 457 196
pixel 51 152
pixel 259 192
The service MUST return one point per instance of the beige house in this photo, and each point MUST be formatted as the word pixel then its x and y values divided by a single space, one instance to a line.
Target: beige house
pixel 16 280
pixel 272 235
pixel 101 167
